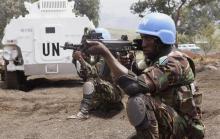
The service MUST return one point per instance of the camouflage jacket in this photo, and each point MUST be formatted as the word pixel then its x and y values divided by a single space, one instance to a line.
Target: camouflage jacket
pixel 169 79
pixel 88 70
pixel 169 71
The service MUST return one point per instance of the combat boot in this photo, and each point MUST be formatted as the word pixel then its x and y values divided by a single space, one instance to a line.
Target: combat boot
pixel 196 129
pixel 79 115
pixel 140 135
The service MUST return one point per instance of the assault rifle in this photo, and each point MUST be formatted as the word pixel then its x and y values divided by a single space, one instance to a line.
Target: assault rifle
pixel 114 46
pixel 121 45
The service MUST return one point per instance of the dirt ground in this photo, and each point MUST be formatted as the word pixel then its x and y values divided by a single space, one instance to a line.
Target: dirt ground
pixel 41 113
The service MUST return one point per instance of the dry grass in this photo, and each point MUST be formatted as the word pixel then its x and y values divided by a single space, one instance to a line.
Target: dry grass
pixel 199 58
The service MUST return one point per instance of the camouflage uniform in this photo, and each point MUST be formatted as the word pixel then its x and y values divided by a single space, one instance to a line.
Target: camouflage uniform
pixel 99 90
pixel 170 109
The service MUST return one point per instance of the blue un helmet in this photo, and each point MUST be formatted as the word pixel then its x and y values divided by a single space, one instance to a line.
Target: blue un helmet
pixel 105 33
pixel 159 25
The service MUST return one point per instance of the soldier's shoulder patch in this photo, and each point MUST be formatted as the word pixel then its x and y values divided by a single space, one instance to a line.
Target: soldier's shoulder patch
pixel 163 60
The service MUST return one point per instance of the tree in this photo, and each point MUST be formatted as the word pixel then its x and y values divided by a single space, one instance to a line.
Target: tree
pixel 196 17
pixel 207 40
pixel 184 12
pixel 183 38
pixel 170 7
pixel 8 9
pixel 89 8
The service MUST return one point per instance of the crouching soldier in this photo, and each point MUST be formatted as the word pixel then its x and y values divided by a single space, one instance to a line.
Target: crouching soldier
pixel 99 90
pixel 161 98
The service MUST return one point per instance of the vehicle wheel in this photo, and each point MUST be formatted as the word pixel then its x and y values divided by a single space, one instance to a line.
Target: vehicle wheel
pixel 3 76
pixel 22 79
pixel 14 80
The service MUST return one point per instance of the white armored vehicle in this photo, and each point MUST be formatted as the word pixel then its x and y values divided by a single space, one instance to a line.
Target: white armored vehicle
pixel 32 43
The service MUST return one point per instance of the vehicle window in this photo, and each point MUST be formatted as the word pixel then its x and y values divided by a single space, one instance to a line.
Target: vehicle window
pixel 50 29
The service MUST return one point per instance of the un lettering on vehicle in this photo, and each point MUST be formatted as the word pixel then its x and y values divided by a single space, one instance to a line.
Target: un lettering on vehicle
pixel 51 49
pixel 50 52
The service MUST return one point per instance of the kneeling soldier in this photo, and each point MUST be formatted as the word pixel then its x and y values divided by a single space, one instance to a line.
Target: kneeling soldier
pixel 161 100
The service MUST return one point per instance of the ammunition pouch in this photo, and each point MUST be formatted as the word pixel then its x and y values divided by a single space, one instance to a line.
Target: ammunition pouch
pixel 188 100
pixel 197 98
pixel 188 103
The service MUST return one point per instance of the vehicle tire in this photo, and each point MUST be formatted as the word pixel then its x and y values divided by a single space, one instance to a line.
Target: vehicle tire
pixel 14 80
pixel 22 79
pixel 3 76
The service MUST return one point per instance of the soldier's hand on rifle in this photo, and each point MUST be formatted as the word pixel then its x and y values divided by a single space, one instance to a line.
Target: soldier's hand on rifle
pixel 124 59
pixel 77 55
pixel 96 48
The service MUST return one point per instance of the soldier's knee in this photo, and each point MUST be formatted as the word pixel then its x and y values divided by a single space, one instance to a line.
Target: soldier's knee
pixel 136 110
pixel 140 113
pixel 88 88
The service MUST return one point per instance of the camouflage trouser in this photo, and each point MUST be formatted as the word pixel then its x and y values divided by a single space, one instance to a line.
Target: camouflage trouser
pixel 161 121
pixel 104 94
